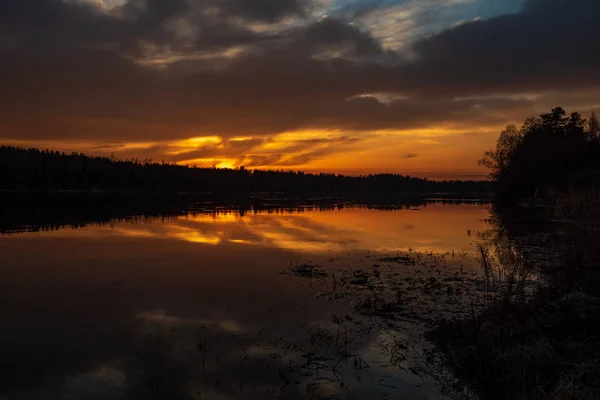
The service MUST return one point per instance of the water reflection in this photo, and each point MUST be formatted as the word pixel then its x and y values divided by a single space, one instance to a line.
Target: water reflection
pixel 193 306
pixel 432 227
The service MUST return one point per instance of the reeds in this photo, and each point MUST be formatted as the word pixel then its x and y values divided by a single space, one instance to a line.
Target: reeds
pixel 543 344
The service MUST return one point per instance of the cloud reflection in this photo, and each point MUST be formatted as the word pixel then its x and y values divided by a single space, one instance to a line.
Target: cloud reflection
pixel 123 310
pixel 433 227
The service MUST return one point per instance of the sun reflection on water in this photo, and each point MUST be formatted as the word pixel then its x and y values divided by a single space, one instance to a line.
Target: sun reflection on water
pixel 435 227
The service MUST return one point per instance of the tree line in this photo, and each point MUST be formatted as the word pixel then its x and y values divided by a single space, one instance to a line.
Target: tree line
pixel 554 152
pixel 35 169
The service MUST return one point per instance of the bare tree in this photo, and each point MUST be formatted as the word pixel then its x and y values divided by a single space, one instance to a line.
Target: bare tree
pixel 498 160
pixel 593 128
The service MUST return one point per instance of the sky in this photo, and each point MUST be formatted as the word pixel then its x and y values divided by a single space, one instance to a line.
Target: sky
pixel 418 87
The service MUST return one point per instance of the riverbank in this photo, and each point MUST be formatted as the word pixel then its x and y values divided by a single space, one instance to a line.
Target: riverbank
pixel 542 346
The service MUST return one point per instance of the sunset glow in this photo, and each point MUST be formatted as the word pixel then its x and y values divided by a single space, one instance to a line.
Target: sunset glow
pixel 350 86
pixel 299 199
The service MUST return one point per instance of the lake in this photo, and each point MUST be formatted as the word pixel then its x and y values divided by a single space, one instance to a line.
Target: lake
pixel 218 304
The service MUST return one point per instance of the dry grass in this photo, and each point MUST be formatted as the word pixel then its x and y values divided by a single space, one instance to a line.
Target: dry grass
pixel 506 272
pixel 539 350
pixel 577 203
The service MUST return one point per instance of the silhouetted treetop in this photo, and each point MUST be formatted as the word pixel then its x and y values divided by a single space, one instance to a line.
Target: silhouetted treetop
pixel 550 152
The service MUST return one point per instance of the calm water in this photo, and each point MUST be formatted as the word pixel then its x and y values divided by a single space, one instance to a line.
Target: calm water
pixel 204 306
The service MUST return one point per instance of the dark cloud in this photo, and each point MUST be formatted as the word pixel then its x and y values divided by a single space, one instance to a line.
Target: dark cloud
pixel 254 160
pixel 548 46
pixel 268 10
pixel 70 71
pixel 40 26
pixel 341 39
pixel 408 156
pixel 305 158
pixel 108 147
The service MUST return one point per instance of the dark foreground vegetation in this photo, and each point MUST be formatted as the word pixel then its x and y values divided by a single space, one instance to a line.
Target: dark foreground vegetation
pixel 33 169
pixel 542 344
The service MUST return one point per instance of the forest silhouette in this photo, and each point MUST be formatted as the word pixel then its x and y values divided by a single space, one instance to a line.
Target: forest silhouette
pixel 551 153
pixel 34 169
